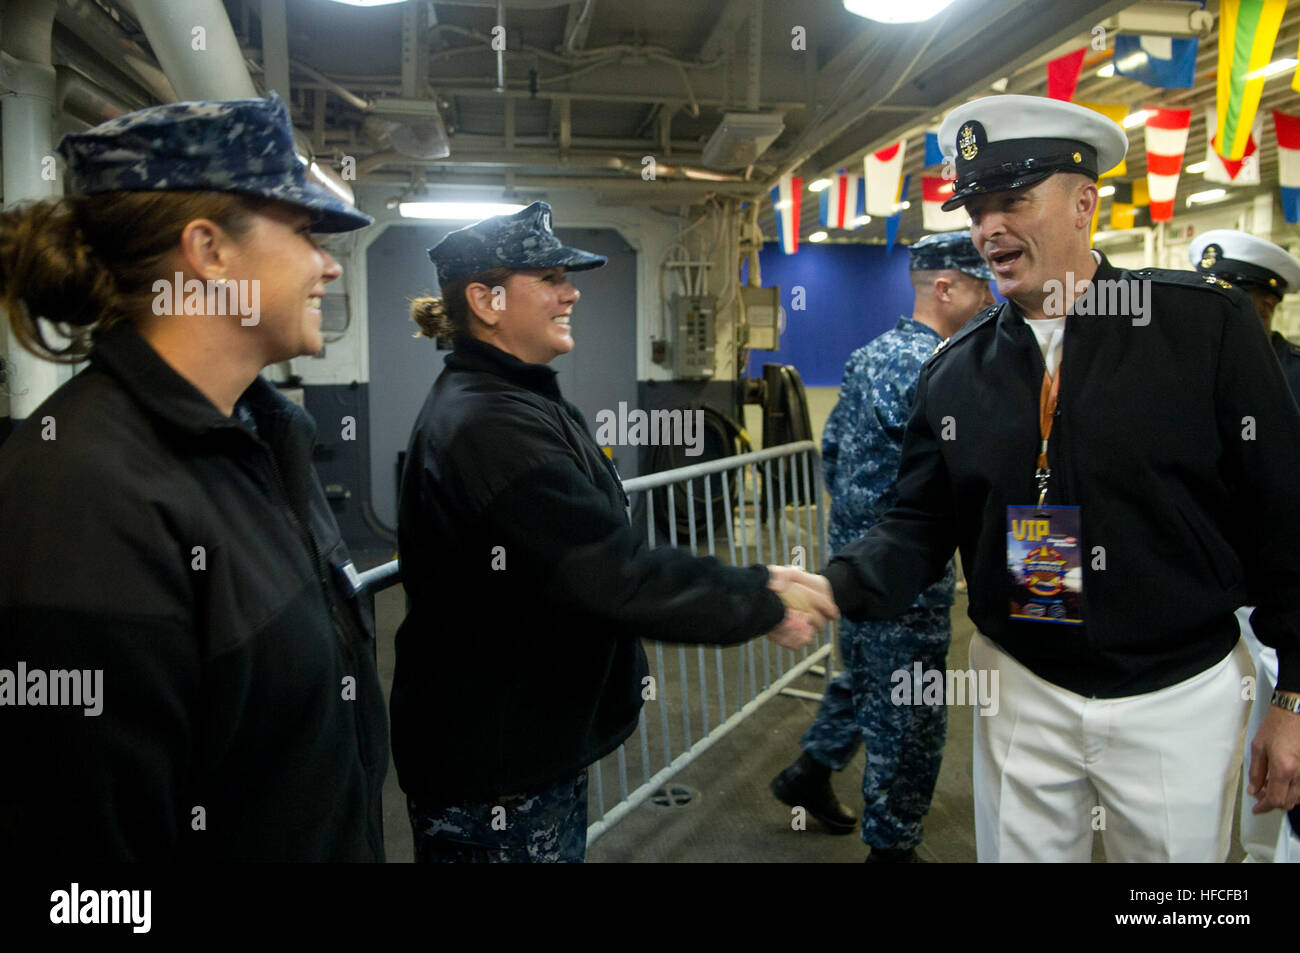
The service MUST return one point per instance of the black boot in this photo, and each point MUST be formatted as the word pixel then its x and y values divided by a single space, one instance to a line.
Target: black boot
pixel 893 855
pixel 807 784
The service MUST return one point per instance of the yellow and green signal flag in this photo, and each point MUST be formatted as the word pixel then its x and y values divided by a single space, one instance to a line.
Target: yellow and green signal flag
pixel 1247 29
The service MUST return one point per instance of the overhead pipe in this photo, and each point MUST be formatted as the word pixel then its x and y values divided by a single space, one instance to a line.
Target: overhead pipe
pixel 213 70
pixel 27 139
pixel 320 79
pixel 216 71
pixel 501 53
pixel 90 24
pixel 74 94
pixel 581 25
pixel 69 51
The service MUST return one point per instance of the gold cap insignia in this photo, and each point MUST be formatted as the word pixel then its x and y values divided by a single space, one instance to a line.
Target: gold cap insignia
pixel 1077 158
pixel 966 143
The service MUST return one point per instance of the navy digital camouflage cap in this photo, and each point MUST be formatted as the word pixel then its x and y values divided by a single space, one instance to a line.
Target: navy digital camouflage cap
pixel 521 240
pixel 948 250
pixel 231 145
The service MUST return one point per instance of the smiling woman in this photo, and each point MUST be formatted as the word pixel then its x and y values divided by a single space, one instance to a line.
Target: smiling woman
pixel 529 593
pixel 163 527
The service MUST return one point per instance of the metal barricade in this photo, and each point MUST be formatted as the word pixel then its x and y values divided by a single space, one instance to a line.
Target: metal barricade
pixel 755 509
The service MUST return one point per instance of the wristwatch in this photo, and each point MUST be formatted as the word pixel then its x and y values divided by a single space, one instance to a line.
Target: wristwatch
pixel 1287 700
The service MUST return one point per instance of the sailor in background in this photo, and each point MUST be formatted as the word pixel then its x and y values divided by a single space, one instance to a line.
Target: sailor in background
pixel 861 449
pixel 1265 272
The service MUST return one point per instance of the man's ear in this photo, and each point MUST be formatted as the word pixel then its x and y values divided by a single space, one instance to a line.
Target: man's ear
pixel 943 289
pixel 1086 200
pixel 206 249
pixel 479 298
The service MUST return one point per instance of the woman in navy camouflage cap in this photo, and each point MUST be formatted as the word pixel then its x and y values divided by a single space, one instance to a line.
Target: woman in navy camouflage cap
pixel 520 660
pixel 185 673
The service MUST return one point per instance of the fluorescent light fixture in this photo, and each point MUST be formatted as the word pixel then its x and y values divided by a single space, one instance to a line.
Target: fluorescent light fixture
pixel 1106 190
pixel 891 11
pixel 1206 197
pixel 456 211
pixel 1272 69
pixel 819 184
pixel 1138 118
pixel 861 220
pixel 368 3
pixel 1196 168
pixel 818 237
pixel 1107 71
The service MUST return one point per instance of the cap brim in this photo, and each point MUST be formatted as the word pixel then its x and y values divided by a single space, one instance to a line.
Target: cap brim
pixel 991 187
pixel 329 213
pixel 570 259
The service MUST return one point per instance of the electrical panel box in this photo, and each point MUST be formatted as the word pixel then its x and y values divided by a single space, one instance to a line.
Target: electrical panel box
pixel 763 316
pixel 694 336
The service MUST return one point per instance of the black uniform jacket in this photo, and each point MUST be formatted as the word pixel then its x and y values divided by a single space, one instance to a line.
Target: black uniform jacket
pixel 1177 437
pixel 1288 355
pixel 520 660
pixel 148 535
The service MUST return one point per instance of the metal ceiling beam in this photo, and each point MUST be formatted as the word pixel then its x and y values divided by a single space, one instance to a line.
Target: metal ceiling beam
pixel 275 47
pixel 727 25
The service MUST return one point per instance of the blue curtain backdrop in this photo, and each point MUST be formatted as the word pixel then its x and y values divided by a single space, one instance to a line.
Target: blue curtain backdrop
pixel 852 293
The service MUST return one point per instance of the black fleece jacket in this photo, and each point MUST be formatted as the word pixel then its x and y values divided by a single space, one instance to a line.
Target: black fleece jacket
pixel 520 660
pixel 146 535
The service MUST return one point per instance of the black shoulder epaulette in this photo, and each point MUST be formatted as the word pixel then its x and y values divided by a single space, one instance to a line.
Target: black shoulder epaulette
pixel 1188 279
pixel 979 320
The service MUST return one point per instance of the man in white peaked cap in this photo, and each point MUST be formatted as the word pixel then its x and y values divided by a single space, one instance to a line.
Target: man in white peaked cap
pixel 1113 452
pixel 1265 272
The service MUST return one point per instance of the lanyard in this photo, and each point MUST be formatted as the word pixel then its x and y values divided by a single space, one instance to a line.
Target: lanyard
pixel 1047 395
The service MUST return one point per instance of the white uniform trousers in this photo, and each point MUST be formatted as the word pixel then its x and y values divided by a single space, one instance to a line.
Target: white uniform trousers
pixel 1156 773
pixel 1264 837
pixel 1288 845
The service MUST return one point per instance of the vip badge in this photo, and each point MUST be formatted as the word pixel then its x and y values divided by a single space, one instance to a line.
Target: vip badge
pixel 966 142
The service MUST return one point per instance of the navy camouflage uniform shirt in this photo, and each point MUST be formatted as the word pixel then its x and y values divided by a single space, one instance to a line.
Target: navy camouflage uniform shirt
pixel 862 444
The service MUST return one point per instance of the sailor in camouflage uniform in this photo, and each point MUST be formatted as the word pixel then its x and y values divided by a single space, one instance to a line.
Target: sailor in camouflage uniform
pixel 861 449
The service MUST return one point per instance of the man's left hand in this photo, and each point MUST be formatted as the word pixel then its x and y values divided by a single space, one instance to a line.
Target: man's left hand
pixel 1275 762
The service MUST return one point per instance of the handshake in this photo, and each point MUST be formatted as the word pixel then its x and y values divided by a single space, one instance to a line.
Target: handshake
pixel 809 605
